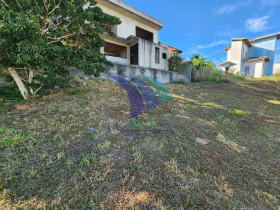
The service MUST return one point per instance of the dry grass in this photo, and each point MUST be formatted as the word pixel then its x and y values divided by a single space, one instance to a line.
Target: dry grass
pixel 274 78
pixel 49 158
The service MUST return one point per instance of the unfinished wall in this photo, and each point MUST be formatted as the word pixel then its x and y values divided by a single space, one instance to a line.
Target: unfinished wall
pixel 147 55
pixel 122 70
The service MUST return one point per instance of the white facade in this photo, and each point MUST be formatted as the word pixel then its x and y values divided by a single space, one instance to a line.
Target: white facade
pixel 137 37
pixel 277 68
pixel 253 69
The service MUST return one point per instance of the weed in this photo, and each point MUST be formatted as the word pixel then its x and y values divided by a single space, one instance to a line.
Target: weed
pixel 11 137
pixel 237 113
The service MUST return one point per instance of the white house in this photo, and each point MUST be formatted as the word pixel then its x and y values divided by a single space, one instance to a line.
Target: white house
pixel 137 41
pixel 252 57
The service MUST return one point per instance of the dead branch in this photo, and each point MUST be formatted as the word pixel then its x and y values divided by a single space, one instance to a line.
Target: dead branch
pixel 38 89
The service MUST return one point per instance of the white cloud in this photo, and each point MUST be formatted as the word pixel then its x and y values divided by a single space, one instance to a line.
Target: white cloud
pixel 270 2
pixel 257 24
pixel 226 9
pixel 213 44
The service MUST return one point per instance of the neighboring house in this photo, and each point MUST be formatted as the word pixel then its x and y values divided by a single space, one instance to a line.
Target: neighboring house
pixel 171 49
pixel 136 41
pixel 277 68
pixel 252 57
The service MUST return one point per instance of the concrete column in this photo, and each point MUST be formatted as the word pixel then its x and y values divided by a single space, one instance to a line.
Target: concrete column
pixel 102 50
pixel 128 53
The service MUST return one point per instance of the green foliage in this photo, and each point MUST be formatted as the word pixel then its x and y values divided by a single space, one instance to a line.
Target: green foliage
pixel 239 75
pixel 51 36
pixel 175 61
pixel 10 137
pixel 10 93
pixel 204 70
pixel 200 62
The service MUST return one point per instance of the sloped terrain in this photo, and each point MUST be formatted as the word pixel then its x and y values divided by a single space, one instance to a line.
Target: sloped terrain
pixel 61 153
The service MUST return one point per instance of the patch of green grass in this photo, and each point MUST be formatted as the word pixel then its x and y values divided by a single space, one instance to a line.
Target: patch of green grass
pixel 11 138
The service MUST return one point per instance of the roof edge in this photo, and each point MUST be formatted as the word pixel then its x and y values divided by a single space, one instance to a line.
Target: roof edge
pixel 262 58
pixel 134 11
pixel 180 51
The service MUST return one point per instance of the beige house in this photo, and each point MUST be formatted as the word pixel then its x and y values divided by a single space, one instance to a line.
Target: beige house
pixel 137 41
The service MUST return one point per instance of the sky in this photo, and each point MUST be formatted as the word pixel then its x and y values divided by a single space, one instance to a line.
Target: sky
pixel 207 27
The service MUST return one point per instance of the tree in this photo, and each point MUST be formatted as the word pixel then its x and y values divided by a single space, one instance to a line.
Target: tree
pixel 200 62
pixel 175 61
pixel 47 37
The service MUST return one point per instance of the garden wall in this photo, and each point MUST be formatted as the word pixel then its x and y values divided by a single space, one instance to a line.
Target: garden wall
pixel 123 70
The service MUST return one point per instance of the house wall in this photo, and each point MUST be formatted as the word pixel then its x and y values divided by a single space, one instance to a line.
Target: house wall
pixel 244 54
pixel 229 55
pixel 252 66
pixel 128 25
pixel 147 55
pixel 277 68
pixel 259 69
pixel 236 55
pixel 256 68
pixel 265 47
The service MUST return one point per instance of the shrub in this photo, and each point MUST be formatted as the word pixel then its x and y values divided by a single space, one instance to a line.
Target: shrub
pixel 206 74
pixel 175 61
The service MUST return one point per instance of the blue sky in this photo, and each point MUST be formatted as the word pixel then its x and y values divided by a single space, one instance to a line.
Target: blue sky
pixel 206 27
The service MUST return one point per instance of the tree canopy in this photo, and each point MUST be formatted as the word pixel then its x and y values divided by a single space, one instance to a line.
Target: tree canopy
pixel 49 36
pixel 200 62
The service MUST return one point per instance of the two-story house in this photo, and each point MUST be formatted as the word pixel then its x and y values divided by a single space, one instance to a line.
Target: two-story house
pixel 252 57
pixel 136 41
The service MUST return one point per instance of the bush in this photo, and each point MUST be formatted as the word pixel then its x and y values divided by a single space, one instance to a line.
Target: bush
pixel 206 74
pixel 175 61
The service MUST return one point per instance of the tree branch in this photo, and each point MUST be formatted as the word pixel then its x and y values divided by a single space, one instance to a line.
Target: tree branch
pixel 55 7
pixel 59 38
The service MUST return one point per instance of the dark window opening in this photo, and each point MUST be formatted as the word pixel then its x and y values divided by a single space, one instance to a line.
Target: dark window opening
pixel 115 50
pixel 157 55
pixel 141 33
pixel 134 55
pixel 164 56
pixel 227 69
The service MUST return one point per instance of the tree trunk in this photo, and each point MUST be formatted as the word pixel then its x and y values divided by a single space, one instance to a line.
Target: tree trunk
pixel 19 82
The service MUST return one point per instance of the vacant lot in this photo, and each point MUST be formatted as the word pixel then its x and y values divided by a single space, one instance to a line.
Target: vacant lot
pixel 49 157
